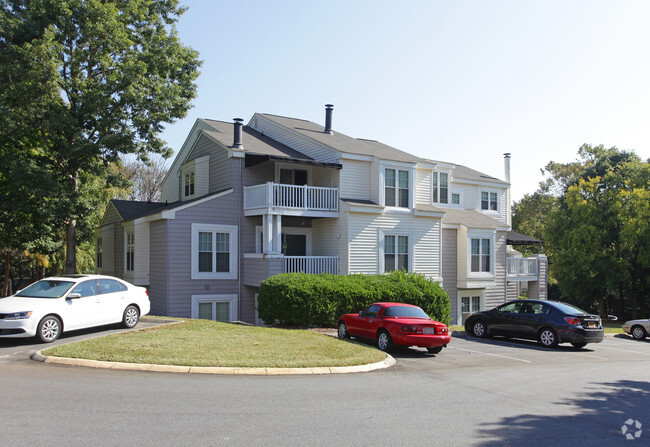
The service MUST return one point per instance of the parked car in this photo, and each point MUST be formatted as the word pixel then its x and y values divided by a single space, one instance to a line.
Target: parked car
pixel 638 329
pixel 53 305
pixel 391 324
pixel 548 322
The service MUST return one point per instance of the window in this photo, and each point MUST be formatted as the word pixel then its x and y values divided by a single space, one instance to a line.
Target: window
pixel 481 261
pixel 110 286
pixel 396 188
pixel 455 199
pixel 214 307
pixel 86 288
pixel 440 191
pixel 396 253
pixel 130 251
pixel 489 201
pixel 470 304
pixel 371 311
pixel 189 184
pixel 99 255
pixel 214 251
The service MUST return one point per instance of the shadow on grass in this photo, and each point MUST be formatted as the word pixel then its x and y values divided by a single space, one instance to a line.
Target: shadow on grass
pixel 598 420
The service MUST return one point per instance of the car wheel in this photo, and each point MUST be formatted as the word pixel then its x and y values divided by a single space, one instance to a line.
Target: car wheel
pixel 547 338
pixel 579 345
pixel 435 350
pixel 384 341
pixel 479 329
pixel 49 329
pixel 639 333
pixel 343 331
pixel 131 317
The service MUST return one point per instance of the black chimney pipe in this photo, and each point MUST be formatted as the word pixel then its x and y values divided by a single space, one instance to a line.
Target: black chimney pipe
pixel 237 143
pixel 328 119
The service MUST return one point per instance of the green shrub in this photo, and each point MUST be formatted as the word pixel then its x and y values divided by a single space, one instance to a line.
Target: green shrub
pixel 300 299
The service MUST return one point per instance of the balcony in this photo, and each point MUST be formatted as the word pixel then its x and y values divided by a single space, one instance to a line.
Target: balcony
pixel 258 267
pixel 311 264
pixel 291 200
pixel 523 269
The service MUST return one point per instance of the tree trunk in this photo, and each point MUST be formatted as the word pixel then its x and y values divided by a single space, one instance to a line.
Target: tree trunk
pixel 5 283
pixel 71 234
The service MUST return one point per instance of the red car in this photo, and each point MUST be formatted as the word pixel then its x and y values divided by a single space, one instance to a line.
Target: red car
pixel 395 324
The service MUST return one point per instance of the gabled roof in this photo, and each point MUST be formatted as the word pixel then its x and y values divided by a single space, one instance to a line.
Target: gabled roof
pixel 464 173
pixel 343 143
pixel 253 141
pixel 470 219
pixel 131 210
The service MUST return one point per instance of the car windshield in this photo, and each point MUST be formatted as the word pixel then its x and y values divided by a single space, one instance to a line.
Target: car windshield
pixel 46 289
pixel 569 309
pixel 405 311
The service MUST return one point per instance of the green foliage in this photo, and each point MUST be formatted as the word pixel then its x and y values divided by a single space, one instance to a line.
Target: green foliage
pixel 300 299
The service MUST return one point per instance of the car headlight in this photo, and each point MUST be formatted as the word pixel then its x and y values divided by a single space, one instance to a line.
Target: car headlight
pixel 18 315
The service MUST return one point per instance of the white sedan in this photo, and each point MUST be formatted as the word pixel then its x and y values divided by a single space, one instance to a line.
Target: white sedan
pixel 50 306
pixel 638 329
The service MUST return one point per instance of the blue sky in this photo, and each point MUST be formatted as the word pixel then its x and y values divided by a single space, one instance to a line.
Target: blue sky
pixel 462 81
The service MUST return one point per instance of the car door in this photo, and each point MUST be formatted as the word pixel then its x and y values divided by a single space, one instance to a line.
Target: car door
pixel 362 326
pixel 113 300
pixel 84 310
pixel 530 318
pixel 504 320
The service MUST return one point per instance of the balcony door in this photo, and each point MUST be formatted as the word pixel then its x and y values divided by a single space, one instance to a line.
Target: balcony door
pixel 294 244
pixel 293 176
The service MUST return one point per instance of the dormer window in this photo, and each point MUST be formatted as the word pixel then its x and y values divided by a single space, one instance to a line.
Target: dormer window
pixel 489 201
pixel 189 184
pixel 440 189
pixel 396 188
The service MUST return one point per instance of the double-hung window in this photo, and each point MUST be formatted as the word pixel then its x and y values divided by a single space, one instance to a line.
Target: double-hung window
pixel 214 307
pixel 396 188
pixel 189 184
pixel 489 201
pixel 440 187
pixel 214 251
pixel 396 253
pixel 481 255
pixel 130 251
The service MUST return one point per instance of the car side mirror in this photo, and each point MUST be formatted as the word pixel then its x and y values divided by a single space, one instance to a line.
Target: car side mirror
pixel 73 296
pixel 612 317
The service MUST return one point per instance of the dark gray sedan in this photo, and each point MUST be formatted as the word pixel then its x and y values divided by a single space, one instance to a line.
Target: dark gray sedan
pixel 548 322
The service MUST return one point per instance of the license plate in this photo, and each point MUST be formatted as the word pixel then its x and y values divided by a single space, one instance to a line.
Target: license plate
pixel 429 330
pixel 592 324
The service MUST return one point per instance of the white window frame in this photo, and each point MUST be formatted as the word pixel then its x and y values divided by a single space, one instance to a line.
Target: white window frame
pixel 232 300
pixel 489 193
pixel 491 235
pixel 435 183
pixel 460 199
pixel 382 238
pixel 411 188
pixel 469 294
pixel 232 245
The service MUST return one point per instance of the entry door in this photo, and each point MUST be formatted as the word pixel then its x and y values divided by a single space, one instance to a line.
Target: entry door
pixel 293 176
pixel 294 244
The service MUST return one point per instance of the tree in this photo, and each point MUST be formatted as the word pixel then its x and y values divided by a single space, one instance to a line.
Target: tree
pixel 84 81
pixel 145 178
pixel 599 232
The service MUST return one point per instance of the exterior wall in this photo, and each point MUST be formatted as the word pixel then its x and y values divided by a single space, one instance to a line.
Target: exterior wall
pixel 375 191
pixel 171 185
pixel 257 269
pixel 423 186
pixel 355 179
pixel 159 267
pixel 141 255
pixel 495 294
pixel 365 241
pixel 326 177
pixel 293 139
pixel 108 249
pixel 450 269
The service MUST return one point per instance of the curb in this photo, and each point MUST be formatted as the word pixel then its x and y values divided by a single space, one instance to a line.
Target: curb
pixel 216 370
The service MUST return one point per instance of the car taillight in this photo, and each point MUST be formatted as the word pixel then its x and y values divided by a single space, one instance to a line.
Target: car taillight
pixel 442 330
pixel 412 329
pixel 572 320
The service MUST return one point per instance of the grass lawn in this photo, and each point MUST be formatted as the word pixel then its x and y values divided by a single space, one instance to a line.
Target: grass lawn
pixel 210 343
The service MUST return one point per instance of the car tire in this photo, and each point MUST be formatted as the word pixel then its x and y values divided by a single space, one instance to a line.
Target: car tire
pixel 49 329
pixel 479 329
pixel 579 345
pixel 435 350
pixel 131 317
pixel 638 332
pixel 547 337
pixel 384 341
pixel 343 331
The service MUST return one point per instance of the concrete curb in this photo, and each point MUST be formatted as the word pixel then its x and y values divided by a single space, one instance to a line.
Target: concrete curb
pixel 39 357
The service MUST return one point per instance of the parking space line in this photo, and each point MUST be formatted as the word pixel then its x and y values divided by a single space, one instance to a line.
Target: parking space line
pixel 625 350
pixel 493 355
pixel 588 355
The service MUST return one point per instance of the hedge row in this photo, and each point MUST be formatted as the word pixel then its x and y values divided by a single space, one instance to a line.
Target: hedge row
pixel 300 299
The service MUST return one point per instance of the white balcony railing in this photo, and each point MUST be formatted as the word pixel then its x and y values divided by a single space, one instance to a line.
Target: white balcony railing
pixel 275 195
pixel 518 267
pixel 311 264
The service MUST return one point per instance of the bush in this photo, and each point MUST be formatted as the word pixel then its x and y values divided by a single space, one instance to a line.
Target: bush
pixel 300 299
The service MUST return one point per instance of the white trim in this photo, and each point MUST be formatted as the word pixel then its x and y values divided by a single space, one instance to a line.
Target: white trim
pixel 410 169
pixel 233 251
pixel 481 234
pixel 285 230
pixel 232 300
pixel 468 293
pixel 436 173
pixel 489 211
pixel 411 254
pixel 171 214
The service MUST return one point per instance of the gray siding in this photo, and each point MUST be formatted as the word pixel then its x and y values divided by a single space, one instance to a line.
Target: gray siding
pixel 159 267
pixel 220 173
pixel 450 270
pixel 496 294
